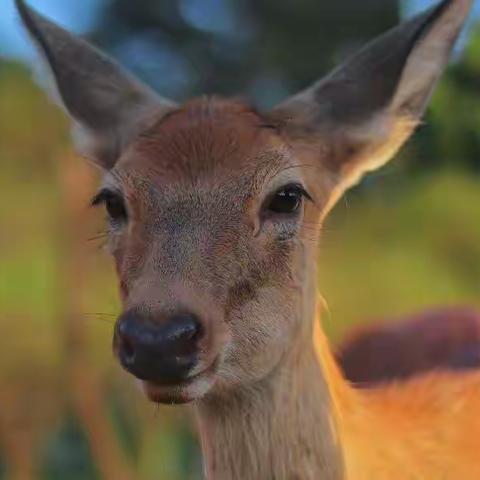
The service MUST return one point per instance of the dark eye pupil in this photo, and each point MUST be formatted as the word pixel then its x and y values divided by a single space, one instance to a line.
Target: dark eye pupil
pixel 115 208
pixel 287 200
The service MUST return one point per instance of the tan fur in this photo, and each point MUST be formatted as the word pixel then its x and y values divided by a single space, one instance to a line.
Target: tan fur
pixel 420 429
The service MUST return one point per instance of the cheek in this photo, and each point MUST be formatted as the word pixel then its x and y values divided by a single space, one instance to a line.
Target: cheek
pixel 261 333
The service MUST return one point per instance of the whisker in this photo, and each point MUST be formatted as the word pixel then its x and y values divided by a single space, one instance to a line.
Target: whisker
pixel 102 317
pixel 98 237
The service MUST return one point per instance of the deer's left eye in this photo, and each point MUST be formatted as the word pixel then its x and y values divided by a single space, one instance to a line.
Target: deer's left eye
pixel 286 200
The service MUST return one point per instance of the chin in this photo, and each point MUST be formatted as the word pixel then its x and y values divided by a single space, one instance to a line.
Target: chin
pixel 179 393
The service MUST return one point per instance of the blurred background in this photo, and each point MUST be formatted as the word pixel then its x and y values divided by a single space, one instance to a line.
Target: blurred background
pixel 407 238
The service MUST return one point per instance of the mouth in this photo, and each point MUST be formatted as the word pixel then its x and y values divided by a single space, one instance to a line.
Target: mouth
pixel 185 391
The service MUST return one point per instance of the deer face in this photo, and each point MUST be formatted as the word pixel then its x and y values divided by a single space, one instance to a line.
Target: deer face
pixel 214 209
pixel 210 212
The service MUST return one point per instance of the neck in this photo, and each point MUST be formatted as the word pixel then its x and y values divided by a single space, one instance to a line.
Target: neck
pixel 282 428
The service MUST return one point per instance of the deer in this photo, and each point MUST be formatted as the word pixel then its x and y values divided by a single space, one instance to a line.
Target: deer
pixel 215 212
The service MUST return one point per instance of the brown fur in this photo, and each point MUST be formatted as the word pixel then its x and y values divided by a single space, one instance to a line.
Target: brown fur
pixel 202 135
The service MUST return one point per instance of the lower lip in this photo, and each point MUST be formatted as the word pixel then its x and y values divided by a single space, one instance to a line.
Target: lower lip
pixel 183 392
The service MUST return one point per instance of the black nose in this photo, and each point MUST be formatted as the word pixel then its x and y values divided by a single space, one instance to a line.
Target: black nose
pixel 159 351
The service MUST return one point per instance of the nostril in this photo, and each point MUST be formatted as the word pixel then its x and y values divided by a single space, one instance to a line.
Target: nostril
pixel 127 351
pixel 192 331
pixel 185 330
pixel 199 332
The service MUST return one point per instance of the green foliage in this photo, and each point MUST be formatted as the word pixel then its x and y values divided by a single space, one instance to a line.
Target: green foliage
pixel 394 253
pixel 67 454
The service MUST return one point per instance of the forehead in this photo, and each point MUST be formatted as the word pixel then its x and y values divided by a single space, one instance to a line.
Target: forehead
pixel 206 139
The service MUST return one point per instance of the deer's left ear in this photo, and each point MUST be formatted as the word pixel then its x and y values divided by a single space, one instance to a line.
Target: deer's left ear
pixel 365 110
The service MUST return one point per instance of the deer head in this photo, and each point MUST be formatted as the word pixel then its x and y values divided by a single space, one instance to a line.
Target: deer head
pixel 215 208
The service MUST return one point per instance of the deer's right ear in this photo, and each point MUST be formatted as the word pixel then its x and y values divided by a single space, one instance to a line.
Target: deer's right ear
pixel 107 105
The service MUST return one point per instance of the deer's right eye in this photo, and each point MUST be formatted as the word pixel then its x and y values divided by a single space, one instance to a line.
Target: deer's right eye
pixel 114 205
pixel 116 208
